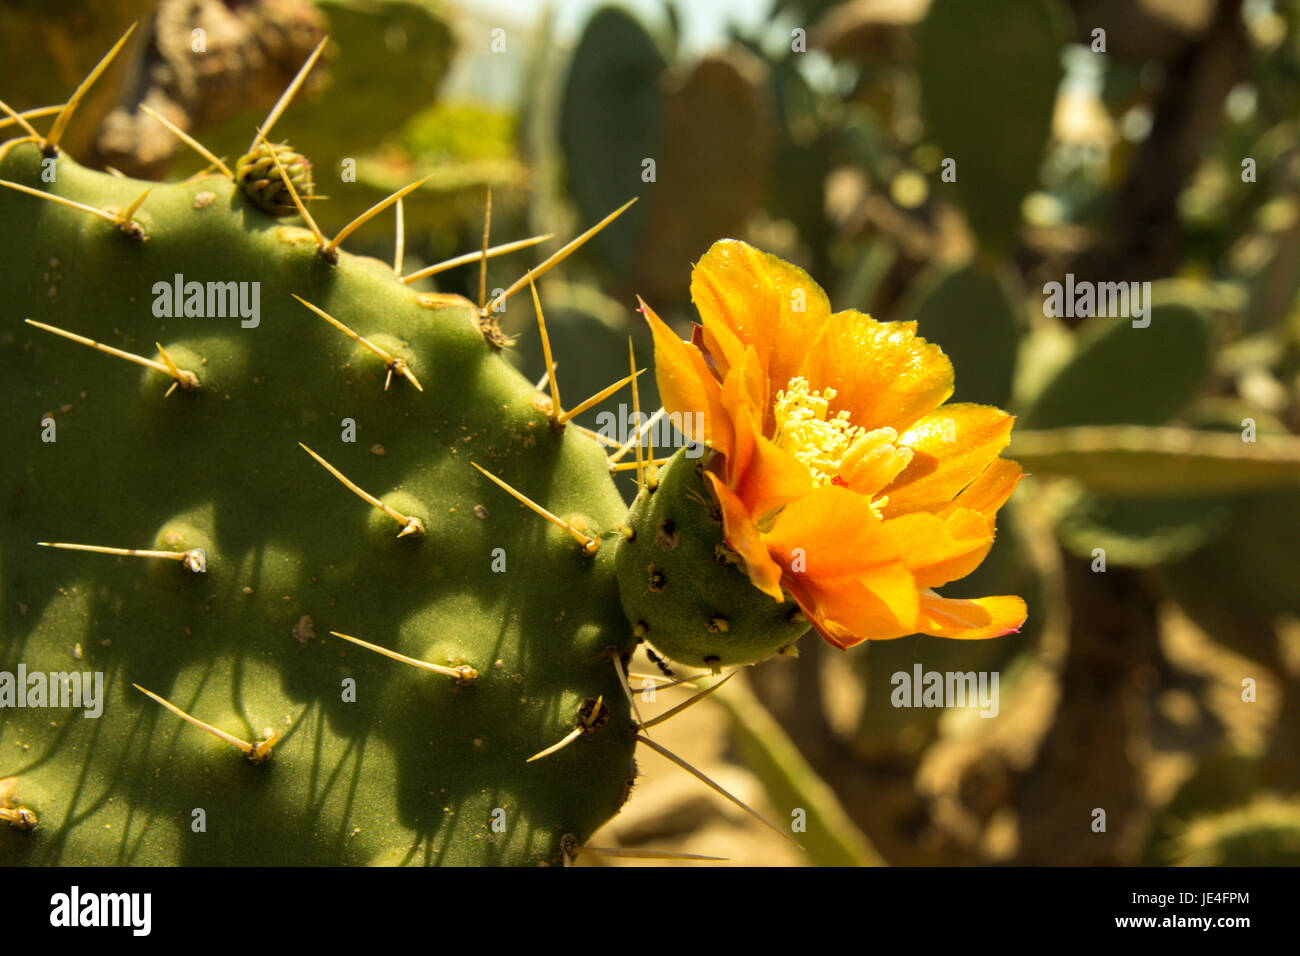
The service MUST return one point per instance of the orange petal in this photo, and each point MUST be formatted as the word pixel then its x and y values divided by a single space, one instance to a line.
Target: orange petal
pixel 739 397
pixel 938 549
pixel 951 447
pixel 971 620
pixel 686 385
pixel 743 537
pixel 833 533
pixel 745 382
pixel 724 348
pixel 847 611
pixel 844 567
pixel 763 475
pixel 774 478
pixel 763 302
pixel 959 547
pixel 737 411
pixel 883 373
pixel 990 491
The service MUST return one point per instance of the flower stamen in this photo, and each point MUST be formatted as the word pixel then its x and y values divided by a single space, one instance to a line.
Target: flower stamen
pixel 806 429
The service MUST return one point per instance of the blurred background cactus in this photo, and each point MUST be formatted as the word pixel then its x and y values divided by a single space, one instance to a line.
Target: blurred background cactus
pixel 942 162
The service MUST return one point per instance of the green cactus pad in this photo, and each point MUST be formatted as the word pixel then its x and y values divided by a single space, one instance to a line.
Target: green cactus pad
pixel 378 761
pixel 610 123
pixel 1126 375
pixel 989 70
pixel 679 588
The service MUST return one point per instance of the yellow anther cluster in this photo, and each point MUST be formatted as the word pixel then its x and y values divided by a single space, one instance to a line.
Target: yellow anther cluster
pixel 804 429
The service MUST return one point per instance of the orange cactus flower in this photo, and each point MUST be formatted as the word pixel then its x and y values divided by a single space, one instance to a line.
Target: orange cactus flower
pixel 843 478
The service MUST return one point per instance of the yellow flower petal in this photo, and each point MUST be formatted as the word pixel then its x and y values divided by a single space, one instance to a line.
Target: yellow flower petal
pixel 686 385
pixel 774 478
pixel 971 620
pixel 849 610
pixel 763 302
pixel 883 373
pixel 724 348
pixel 763 475
pixel 740 397
pixel 942 549
pixel 964 535
pixel 842 566
pixel 990 491
pixel 835 533
pixel 951 447
pixel 743 537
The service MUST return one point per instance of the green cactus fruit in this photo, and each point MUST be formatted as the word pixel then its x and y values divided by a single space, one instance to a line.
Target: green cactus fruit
pixel 375 761
pixel 680 585
pixel 264 185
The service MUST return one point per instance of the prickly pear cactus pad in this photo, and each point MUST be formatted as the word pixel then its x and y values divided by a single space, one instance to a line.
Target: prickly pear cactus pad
pixel 242 448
